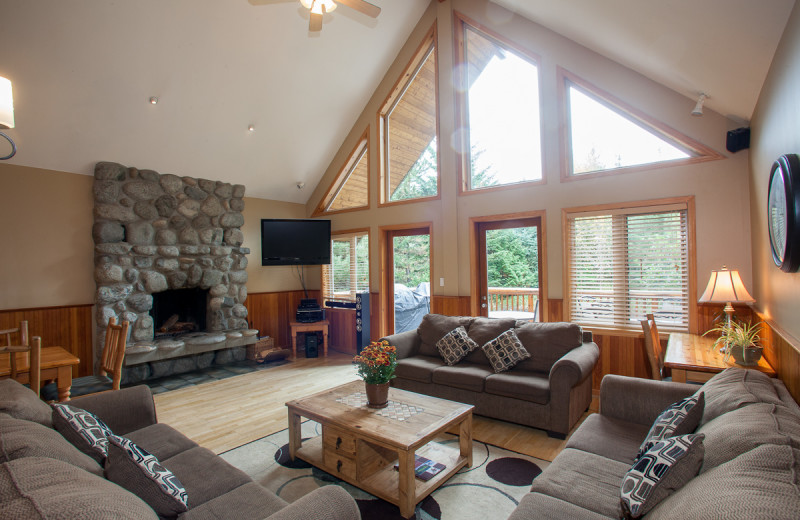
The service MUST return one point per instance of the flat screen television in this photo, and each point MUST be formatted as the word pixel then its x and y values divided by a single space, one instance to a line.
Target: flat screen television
pixel 295 242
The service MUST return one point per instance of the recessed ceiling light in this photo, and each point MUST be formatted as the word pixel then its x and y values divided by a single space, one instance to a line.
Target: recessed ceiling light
pixel 251 128
pixel 153 100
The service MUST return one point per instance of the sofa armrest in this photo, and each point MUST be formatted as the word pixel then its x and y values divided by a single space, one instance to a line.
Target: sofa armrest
pixel 638 400
pixel 329 502
pixel 407 343
pixel 124 411
pixel 575 366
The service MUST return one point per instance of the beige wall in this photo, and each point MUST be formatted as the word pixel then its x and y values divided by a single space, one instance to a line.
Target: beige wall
pixel 46 257
pixel 720 187
pixel 775 131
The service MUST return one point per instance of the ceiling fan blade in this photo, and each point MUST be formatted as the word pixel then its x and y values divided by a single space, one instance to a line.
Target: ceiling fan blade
pixel 315 23
pixel 362 6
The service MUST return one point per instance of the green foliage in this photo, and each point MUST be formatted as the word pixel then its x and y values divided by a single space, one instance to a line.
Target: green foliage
pixel 421 179
pixel 412 260
pixel 376 362
pixel 736 335
pixel 512 257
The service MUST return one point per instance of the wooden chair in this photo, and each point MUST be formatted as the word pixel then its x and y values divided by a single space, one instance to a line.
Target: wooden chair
pixel 110 366
pixel 652 346
pixel 21 345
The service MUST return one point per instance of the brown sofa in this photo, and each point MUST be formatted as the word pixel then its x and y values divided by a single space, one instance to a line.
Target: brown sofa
pixel 750 464
pixel 550 390
pixel 42 475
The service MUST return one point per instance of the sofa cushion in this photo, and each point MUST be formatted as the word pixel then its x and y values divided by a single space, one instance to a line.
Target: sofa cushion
pixel 20 439
pixel 734 388
pixel 608 437
pixel 519 384
pixel 537 505
pixel 418 368
pixel 584 479
pixel 505 351
pixel 739 431
pixel 20 402
pixel 39 488
pixel 467 376
pixel 547 342
pixel 483 330
pixel 249 501
pixel 678 419
pixel 658 472
pixel 162 440
pixel 142 474
pixel 205 476
pixel 759 484
pixel 455 345
pixel 433 328
pixel 83 429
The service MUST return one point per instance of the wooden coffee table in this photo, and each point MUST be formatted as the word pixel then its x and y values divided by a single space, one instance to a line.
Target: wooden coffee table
pixel 361 445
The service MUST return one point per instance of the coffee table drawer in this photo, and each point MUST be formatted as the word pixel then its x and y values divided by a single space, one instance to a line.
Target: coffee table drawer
pixel 339 465
pixel 338 441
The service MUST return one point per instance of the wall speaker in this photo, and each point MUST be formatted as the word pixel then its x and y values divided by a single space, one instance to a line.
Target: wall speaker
pixel 738 139
pixel 362 321
pixel 312 345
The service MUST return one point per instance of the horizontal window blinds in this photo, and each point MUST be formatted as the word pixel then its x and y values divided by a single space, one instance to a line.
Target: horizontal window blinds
pixel 623 265
pixel 348 272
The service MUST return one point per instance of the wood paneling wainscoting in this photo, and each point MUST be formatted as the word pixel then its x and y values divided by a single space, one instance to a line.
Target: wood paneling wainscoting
pixel 69 327
pixel 783 353
pixel 271 312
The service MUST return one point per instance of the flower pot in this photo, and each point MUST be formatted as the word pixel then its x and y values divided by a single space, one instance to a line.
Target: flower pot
pixel 749 357
pixel 377 395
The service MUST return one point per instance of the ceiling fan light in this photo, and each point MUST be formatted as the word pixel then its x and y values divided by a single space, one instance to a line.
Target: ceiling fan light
pixel 307 3
pixel 6 104
pixel 329 5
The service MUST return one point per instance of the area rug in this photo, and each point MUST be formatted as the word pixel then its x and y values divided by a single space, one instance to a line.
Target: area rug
pixel 491 488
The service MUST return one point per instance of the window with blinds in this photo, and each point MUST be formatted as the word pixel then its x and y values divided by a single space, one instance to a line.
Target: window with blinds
pixel 348 272
pixel 628 262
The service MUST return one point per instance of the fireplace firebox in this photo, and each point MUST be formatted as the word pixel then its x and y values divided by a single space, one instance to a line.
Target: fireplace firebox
pixel 179 311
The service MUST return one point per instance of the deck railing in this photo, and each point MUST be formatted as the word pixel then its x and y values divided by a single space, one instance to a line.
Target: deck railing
pixel 513 299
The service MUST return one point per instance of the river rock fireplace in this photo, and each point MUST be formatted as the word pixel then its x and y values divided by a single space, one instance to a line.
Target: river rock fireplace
pixel 160 241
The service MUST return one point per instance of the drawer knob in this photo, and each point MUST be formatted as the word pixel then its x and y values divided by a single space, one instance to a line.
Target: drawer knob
pixel 338 465
pixel 338 442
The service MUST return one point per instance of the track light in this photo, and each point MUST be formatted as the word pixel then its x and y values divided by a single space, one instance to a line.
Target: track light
pixel 698 108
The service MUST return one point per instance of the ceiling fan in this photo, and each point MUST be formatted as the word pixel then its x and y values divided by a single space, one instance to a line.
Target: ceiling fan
pixel 320 7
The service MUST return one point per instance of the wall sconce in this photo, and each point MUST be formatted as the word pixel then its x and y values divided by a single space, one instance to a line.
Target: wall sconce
pixel 7 113
pixel 698 108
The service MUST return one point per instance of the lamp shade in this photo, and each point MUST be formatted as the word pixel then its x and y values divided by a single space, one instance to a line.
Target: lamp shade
pixel 6 104
pixel 726 286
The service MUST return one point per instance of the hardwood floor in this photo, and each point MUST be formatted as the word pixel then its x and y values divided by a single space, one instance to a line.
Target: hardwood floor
pixel 222 415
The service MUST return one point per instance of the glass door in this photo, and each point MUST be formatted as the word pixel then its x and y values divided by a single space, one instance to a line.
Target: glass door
pixel 410 287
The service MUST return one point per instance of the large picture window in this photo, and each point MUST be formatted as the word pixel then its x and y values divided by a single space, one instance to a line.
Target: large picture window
pixel 500 121
pixel 350 189
pixel 625 262
pixel 348 272
pixel 408 127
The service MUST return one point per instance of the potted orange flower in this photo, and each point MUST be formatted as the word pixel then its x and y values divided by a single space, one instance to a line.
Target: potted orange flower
pixel 375 365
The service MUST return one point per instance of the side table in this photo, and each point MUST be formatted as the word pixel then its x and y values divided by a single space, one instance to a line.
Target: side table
pixel 317 326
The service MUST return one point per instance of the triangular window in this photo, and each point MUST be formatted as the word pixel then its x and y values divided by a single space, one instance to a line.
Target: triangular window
pixel 350 189
pixel 606 136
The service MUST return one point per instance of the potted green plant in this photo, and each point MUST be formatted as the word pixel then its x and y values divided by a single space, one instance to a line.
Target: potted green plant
pixel 740 340
pixel 375 365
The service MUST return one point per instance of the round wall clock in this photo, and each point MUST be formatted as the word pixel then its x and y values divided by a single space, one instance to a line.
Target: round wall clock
pixel 783 212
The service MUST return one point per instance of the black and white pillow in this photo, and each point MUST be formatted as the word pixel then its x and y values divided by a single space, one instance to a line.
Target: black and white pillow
pixel 678 419
pixel 455 345
pixel 659 472
pixel 505 351
pixel 83 429
pixel 141 473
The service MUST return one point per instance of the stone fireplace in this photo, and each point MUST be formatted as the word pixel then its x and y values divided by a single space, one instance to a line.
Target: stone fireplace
pixel 168 254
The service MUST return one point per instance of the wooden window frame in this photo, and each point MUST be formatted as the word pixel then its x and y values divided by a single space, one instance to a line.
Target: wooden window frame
pixel 698 151
pixel 387 274
pixel 429 44
pixel 476 272
pixel 688 202
pixel 463 168
pixel 361 148
pixel 323 275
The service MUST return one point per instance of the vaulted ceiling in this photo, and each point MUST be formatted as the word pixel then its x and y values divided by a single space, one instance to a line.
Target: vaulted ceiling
pixel 84 71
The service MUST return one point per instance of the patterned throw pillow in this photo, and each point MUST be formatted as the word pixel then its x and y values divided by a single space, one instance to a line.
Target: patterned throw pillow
pixel 83 429
pixel 455 345
pixel 143 475
pixel 662 470
pixel 678 419
pixel 505 351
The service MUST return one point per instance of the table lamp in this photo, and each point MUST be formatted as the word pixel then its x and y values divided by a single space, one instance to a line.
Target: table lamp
pixel 726 287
